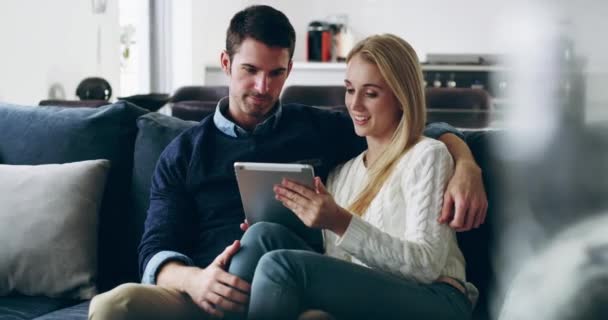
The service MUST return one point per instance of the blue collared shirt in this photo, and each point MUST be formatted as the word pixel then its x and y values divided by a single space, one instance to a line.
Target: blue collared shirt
pixel 227 126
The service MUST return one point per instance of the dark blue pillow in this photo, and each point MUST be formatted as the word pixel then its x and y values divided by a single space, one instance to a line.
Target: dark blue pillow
pixel 42 135
pixel 156 131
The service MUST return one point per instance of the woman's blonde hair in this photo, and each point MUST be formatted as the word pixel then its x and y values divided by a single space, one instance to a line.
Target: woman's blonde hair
pixel 400 68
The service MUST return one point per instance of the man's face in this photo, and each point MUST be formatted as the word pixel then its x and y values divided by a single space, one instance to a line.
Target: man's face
pixel 257 74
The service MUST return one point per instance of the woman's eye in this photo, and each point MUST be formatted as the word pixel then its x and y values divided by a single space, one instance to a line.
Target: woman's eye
pixel 350 91
pixel 371 94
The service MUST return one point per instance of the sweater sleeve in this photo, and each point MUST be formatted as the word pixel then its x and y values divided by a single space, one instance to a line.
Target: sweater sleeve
pixel 435 130
pixel 168 222
pixel 420 253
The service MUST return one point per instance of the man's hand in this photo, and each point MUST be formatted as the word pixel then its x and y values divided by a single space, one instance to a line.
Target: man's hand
pixel 215 290
pixel 465 202
pixel 245 225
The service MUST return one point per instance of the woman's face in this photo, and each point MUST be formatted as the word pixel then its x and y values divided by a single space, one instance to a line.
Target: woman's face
pixel 371 104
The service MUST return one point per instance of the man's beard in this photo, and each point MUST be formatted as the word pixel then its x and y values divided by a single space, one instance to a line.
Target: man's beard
pixel 261 109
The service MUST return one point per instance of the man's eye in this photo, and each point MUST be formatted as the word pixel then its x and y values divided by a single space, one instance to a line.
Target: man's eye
pixel 276 73
pixel 350 91
pixel 250 70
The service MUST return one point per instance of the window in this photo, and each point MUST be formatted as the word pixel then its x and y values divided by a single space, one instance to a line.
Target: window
pixel 134 19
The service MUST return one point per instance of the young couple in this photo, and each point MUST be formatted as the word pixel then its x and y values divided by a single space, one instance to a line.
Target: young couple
pixel 389 252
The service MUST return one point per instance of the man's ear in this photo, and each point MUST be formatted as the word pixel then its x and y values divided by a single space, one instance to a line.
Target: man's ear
pixel 289 66
pixel 225 62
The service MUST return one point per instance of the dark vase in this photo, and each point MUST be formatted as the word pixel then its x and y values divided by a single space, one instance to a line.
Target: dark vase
pixel 94 89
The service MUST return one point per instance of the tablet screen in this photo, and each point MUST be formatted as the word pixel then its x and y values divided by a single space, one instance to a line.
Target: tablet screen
pixel 256 181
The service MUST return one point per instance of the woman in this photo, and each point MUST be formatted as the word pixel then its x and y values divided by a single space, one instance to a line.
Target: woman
pixel 386 254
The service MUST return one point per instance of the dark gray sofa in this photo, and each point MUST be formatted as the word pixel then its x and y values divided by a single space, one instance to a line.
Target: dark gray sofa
pixel 132 138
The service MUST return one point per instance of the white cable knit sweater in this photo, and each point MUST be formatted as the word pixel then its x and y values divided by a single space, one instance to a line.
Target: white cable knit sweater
pixel 399 232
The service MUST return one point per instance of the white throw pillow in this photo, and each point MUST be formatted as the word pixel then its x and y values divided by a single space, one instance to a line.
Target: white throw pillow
pixel 48 228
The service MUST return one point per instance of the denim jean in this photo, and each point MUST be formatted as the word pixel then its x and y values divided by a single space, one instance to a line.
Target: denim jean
pixel 288 277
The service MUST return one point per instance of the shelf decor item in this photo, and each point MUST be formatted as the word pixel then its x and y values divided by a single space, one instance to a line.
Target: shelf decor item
pixel 99 8
pixel 94 88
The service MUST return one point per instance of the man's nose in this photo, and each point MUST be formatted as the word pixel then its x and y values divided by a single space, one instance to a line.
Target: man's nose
pixel 261 84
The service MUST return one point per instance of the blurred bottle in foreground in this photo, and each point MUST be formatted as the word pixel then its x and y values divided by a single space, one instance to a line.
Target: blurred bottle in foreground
pixel 552 249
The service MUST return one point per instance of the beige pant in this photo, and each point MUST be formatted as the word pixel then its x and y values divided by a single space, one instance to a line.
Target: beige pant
pixel 134 301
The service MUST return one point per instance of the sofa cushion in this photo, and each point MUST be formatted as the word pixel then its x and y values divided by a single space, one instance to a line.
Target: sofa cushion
pixel 41 135
pixel 48 228
pixel 76 312
pixel 155 132
pixel 19 307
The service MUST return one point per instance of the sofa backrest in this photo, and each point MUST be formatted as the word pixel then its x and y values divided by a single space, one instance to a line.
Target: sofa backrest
pixel 476 244
pixel 155 132
pixel 43 135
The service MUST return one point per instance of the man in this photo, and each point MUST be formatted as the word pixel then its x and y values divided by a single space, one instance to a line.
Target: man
pixel 193 221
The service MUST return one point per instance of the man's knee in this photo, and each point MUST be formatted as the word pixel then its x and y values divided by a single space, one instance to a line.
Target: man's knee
pixel 116 303
pixel 260 238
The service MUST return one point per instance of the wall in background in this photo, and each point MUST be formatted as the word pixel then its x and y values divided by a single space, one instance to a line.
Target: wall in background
pixel 46 42
pixel 588 28
pixel 433 26
pixel 430 26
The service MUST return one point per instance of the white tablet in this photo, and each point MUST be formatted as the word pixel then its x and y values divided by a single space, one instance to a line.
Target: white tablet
pixel 256 181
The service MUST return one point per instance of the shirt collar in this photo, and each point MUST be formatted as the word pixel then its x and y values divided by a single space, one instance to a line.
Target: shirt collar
pixel 228 127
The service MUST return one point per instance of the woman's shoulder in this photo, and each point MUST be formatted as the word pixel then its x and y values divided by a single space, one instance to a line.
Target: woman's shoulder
pixel 429 144
pixel 427 152
pixel 427 148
